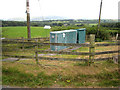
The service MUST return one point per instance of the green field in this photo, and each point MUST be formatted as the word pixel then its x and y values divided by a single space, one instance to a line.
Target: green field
pixel 18 32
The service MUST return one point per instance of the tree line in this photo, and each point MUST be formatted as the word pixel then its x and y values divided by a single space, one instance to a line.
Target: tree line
pixel 59 23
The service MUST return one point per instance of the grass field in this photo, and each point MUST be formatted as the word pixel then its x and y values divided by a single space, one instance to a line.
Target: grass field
pixel 18 32
pixel 56 74
pixel 95 24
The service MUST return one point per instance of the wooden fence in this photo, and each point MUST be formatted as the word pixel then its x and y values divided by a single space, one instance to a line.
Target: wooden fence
pixel 22 38
pixel 91 52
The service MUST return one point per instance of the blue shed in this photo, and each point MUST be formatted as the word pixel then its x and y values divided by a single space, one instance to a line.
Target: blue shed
pixel 81 34
pixel 66 36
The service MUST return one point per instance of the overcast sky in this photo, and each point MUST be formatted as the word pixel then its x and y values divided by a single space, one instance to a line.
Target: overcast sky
pixel 76 9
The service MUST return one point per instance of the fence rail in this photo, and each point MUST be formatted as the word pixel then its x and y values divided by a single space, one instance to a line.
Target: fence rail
pixel 78 53
pixel 17 56
pixel 91 52
pixel 107 52
pixel 63 52
pixel 60 59
pixel 58 44
pixel 26 38
pixel 110 44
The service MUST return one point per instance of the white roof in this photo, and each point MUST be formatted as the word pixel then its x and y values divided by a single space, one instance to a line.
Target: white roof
pixel 56 32
pixel 63 31
pixel 69 30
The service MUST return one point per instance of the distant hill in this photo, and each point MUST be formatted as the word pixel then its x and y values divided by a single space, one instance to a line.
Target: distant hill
pixel 48 18
pixel 37 18
pixel 16 19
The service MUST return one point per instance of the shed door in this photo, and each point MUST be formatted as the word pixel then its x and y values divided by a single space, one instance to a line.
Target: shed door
pixel 81 36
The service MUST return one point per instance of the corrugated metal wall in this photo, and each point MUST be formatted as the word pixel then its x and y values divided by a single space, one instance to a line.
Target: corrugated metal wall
pixel 66 36
pixel 81 33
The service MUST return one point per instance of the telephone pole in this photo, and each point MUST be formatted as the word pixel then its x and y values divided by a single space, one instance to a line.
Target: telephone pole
pixel 100 15
pixel 28 19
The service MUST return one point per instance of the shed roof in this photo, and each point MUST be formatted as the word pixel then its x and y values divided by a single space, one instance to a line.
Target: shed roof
pixel 63 31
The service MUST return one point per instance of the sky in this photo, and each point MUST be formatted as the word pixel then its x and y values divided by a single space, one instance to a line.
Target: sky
pixel 75 9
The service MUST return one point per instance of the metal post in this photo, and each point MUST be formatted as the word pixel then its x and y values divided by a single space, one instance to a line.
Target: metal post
pixel 28 20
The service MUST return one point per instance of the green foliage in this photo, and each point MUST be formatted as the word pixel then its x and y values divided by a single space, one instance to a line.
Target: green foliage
pixel 111 25
pixel 100 35
pixel 103 34
pixel 112 28
pixel 13 23
pixel 59 28
pixel 113 32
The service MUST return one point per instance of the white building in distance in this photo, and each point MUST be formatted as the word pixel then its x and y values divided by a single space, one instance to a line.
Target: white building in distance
pixel 47 27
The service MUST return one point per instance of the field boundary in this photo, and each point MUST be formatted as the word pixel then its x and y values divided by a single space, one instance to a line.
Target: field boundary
pixel 58 44
pixel 91 52
pixel 60 59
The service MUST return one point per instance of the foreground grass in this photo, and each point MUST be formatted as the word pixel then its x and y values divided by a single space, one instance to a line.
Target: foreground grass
pixel 18 32
pixel 26 73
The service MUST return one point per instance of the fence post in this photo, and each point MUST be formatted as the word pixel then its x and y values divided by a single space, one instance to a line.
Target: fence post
pixel 23 42
pixel 36 57
pixel 37 43
pixel 91 49
pixel 36 47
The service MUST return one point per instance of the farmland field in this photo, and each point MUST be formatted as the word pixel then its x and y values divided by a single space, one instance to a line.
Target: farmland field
pixel 55 74
pixel 18 32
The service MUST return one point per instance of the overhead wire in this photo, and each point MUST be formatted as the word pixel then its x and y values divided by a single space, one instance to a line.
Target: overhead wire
pixel 40 9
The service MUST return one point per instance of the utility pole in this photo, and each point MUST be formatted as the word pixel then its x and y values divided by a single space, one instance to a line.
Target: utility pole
pixel 100 16
pixel 28 19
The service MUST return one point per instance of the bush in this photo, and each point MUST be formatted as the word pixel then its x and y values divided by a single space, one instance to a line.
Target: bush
pixel 103 35
pixel 100 35
pixel 59 28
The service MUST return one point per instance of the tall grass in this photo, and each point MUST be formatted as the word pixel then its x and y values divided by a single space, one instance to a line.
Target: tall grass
pixel 12 76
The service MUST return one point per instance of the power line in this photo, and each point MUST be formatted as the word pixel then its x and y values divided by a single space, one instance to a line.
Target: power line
pixel 41 9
